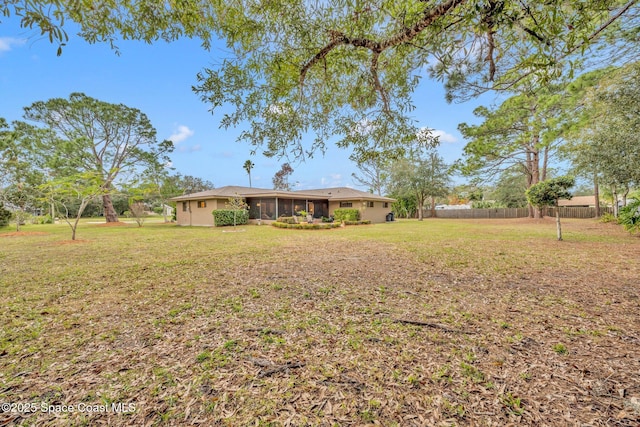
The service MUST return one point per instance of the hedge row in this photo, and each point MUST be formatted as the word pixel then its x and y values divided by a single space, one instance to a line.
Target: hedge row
pixel 345 214
pixel 279 224
pixel 363 222
pixel 288 220
pixel 222 217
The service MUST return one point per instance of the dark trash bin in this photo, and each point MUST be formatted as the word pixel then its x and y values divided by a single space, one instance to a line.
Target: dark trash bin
pixel 390 217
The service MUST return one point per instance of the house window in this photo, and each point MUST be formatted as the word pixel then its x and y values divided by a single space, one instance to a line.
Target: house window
pixel 185 207
pixel 346 204
pixel 202 204
pixel 385 205
pixel 369 204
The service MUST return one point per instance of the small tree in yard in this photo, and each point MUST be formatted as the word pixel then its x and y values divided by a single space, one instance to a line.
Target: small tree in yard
pixel 82 188
pixel 236 204
pixel 138 193
pixel 138 212
pixel 547 193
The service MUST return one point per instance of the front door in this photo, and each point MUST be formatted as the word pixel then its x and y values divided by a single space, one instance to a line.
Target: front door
pixel 320 208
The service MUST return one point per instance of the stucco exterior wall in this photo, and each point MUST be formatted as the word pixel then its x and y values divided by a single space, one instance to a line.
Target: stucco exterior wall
pixel 376 214
pixel 199 216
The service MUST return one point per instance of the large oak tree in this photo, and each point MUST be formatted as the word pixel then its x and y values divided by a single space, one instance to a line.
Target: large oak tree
pixel 326 68
pixel 108 140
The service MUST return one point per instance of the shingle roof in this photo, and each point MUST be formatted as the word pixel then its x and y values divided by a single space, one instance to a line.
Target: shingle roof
pixel 337 193
pixel 578 201
pixel 346 193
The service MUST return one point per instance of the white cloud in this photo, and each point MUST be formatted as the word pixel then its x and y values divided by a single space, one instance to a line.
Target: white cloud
pixel 333 180
pixel 183 132
pixel 7 43
pixel 444 136
pixel 425 135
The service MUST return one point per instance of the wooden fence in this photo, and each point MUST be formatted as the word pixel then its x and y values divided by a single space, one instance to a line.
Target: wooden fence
pixel 565 212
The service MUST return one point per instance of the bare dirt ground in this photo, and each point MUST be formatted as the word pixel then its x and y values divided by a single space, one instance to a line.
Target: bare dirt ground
pixel 356 333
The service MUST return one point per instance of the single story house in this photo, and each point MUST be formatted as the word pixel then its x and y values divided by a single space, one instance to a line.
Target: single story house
pixel 268 205
pixel 580 202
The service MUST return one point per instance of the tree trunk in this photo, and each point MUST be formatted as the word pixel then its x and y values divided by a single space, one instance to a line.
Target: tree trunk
pixel 615 201
pixel 596 194
pixel 535 173
pixel 545 162
pixel 110 214
pixel 558 228
pixel 420 208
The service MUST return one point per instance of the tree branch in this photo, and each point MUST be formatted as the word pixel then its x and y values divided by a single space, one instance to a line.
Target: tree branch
pixel 340 39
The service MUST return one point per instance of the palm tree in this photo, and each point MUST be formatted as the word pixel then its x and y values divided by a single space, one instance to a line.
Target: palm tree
pixel 248 165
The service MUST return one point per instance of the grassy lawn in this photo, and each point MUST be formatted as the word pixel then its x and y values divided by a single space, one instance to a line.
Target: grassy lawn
pixel 440 322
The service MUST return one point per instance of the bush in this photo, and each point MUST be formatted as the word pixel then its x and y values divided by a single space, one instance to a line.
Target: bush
pixel 346 214
pixel 325 226
pixel 222 217
pixel 287 220
pixel 487 204
pixel 629 216
pixel 46 219
pixel 608 217
pixel 5 216
pixel 363 222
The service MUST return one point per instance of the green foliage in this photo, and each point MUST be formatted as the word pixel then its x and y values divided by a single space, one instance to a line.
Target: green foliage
pixel 487 204
pixel 79 189
pixel 96 137
pixel 287 220
pixel 510 188
pixel 5 216
pixel 512 403
pixel 223 217
pixel 560 348
pixel 420 177
pixel 608 217
pixel 179 185
pixel 332 67
pixel 346 214
pixel 516 136
pixel 605 143
pixel 547 193
pixel 46 219
pixel 248 165
pixel 361 222
pixel 323 226
pixel 404 206
pixel 629 216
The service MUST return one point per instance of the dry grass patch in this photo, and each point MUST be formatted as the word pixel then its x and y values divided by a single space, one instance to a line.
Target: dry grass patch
pixel 435 323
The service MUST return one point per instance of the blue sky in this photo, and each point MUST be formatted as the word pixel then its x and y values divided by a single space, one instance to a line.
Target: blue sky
pixel 157 79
